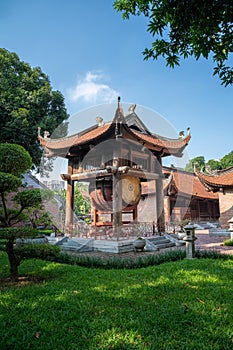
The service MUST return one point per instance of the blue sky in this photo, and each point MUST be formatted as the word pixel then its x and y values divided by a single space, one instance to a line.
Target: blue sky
pixel 91 55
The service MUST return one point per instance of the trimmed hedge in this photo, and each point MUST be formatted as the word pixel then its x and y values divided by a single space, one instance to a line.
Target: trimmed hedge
pixel 90 261
pixel 37 251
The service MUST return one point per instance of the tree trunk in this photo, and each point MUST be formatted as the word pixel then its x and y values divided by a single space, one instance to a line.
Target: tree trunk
pixel 13 261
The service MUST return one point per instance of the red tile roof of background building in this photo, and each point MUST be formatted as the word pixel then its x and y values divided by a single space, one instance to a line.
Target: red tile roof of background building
pixel 186 184
pixel 223 178
pixel 189 185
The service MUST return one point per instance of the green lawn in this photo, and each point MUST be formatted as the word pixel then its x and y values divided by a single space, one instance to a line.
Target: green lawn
pixel 186 304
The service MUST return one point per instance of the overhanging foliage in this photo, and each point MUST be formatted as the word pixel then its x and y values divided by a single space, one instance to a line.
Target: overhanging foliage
pixel 187 28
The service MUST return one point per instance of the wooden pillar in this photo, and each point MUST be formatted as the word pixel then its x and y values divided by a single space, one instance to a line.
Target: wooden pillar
pixel 198 211
pixel 94 214
pixel 167 209
pixel 209 209
pixel 135 213
pixel 160 197
pixel 117 205
pixel 70 201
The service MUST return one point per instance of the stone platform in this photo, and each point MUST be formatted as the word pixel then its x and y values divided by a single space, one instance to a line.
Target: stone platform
pixel 112 246
pixel 81 245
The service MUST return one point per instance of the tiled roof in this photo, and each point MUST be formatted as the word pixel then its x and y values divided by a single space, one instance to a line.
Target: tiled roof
pixel 189 184
pixel 223 178
pixel 186 184
pixel 53 145
pixel 169 144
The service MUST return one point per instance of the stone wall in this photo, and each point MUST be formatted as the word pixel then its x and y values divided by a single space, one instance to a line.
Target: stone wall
pixel 226 207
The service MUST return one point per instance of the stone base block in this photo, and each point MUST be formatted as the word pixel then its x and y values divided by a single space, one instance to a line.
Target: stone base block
pixel 113 246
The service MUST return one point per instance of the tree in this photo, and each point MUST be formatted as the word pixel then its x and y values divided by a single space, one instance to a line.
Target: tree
pixel 227 160
pixel 199 162
pixel 213 164
pixel 36 214
pixel 27 102
pixel 82 203
pixel 15 161
pixel 187 28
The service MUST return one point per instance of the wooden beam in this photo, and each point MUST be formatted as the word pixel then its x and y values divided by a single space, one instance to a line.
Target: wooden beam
pixel 65 177
pixel 90 175
pixel 143 174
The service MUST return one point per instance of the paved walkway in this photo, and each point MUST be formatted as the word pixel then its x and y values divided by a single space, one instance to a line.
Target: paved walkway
pixel 207 242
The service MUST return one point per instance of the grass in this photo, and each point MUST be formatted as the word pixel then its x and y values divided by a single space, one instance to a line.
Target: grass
pixel 45 231
pixel 185 304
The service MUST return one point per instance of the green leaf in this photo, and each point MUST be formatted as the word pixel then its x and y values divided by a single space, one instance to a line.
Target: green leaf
pixel 29 198
pixel 17 232
pixel 9 182
pixel 27 102
pixel 195 28
pixel 14 159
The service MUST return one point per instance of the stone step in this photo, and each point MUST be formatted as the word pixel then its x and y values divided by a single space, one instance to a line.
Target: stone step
pixel 161 242
pixel 164 245
pixel 174 239
pixel 219 232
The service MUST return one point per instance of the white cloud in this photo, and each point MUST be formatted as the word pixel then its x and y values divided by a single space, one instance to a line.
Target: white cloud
pixel 91 89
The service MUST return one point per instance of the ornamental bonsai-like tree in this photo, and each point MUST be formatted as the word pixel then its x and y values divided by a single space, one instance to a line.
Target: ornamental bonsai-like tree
pixel 14 162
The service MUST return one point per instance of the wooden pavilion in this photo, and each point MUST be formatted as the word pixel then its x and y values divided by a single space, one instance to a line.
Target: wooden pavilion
pixel 185 197
pixel 115 158
pixel 220 181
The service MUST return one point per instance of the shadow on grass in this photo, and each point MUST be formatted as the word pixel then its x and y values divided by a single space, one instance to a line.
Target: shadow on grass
pixel 176 305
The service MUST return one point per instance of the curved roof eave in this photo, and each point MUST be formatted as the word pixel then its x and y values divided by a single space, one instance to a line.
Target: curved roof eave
pixel 162 145
pixel 223 179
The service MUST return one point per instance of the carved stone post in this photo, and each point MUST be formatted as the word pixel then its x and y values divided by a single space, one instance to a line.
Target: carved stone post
pixel 231 227
pixel 190 241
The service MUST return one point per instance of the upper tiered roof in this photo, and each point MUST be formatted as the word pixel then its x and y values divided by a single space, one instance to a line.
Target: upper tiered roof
pixel 129 127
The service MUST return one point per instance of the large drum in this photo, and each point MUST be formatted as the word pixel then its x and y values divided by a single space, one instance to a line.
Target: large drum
pixel 101 192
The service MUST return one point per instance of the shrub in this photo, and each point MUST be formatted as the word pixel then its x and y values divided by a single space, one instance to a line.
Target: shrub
pixel 46 232
pixel 212 254
pixel 228 242
pixel 119 262
pixel 37 251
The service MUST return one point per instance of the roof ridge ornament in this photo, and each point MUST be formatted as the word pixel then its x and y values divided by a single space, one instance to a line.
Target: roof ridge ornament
pixel 119 119
pixel 99 121
pixel 119 114
pixel 132 108
pixel 46 134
